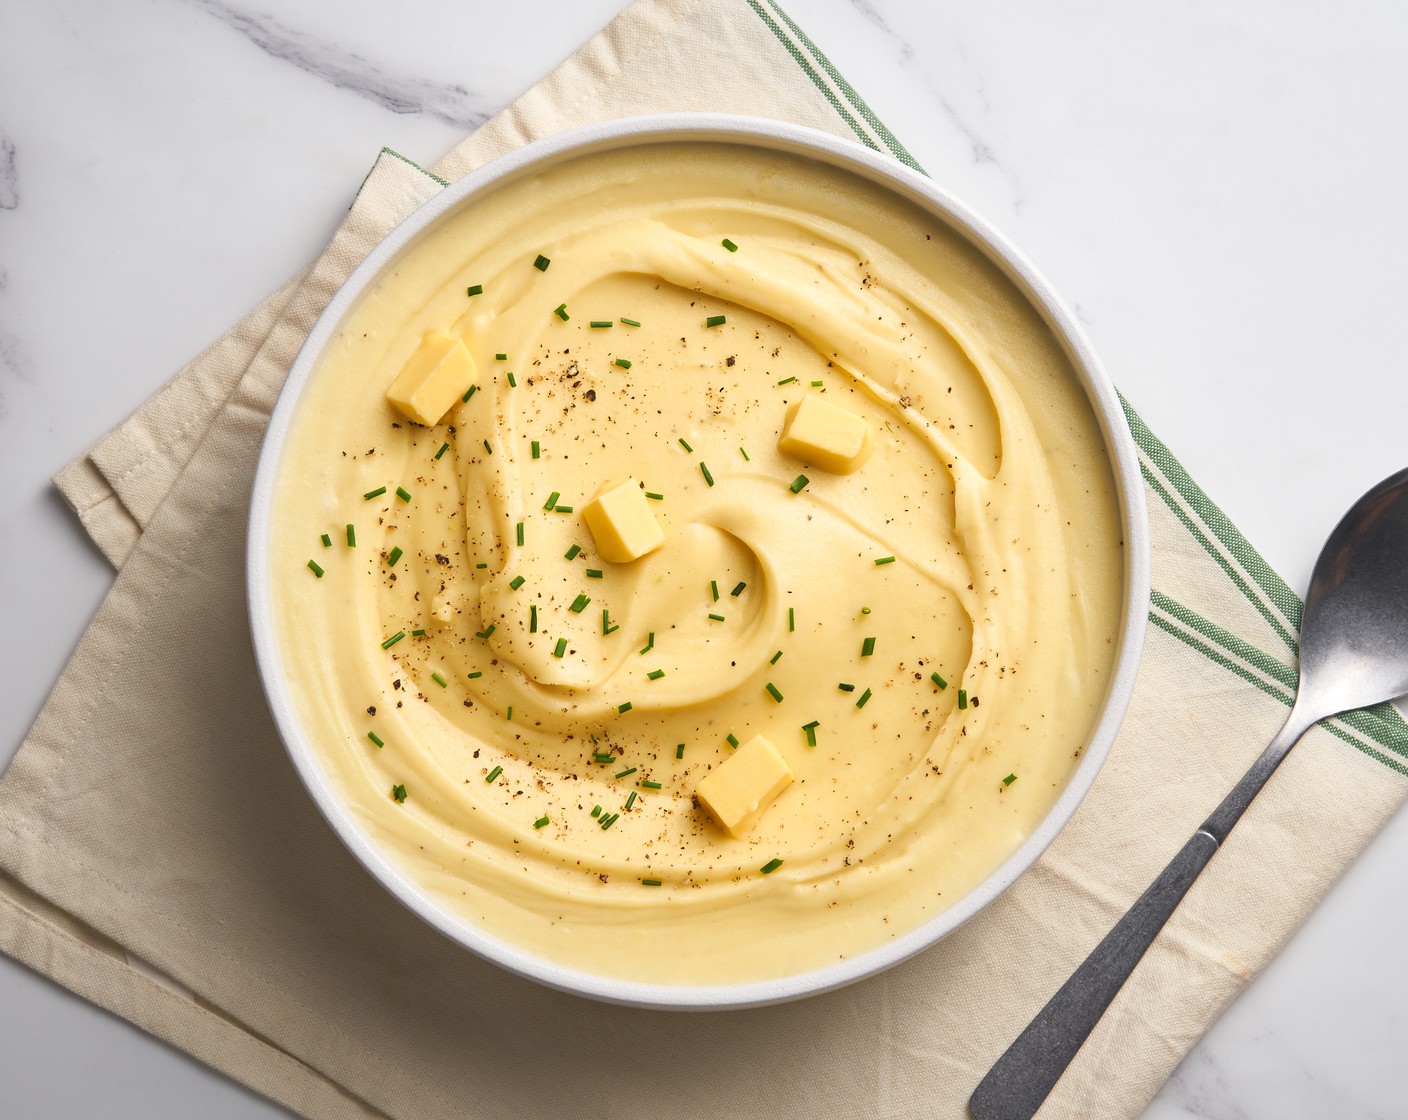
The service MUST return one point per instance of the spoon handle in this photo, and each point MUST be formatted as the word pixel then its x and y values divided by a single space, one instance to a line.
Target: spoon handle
pixel 1023 1077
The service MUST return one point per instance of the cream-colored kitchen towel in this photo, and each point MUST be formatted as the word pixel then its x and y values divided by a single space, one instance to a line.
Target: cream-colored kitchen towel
pixel 159 856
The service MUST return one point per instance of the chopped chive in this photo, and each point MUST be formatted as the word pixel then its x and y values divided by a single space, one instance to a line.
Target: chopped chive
pixel 606 625
pixel 704 470
pixel 791 619
pixel 541 822
pixel 444 447
pixel 603 756
pixel 775 657
pixel 327 541
pixel 533 618
pixel 846 687
pixel 627 772
pixel 438 679
pixel 596 810
pixel 500 357
pixel 481 565
pixel 474 676
pixel 562 508
pixel 552 500
pixel 512 381
pixel 1007 781
pixel 865 610
pixel 631 800
pixel 731 739
pixel 650 785
pixel 729 245
pixel 624 363
pixel 744 453
pixel 469 393
pixel 398 794
pixel 474 290
pixel 561 312
pixel 393 556
pixel 654 496
pixel 370 494
pixel 867 647
pixel 351 535
pixel 595 573
pixel 884 560
pixel 737 591
pixel 417 633
pixel 939 682
pixel 685 444
pixel 816 384
pixel 771 866
pixel 714 589
pixel 403 494
pixel 571 553
pixel 716 618
pixel 600 323
pixel 541 263
pixel 655 674
pixel 509 714
pixel 391 641
pixel 864 699
pixel 810 729
pixel 649 643
pixel 787 381
pixel 962 699
pixel 799 483
pixel 679 750
pixel 579 604
pixel 561 647
pixel 486 632
pixel 772 691
pixel 516 582
pixel 715 321
pixel 487 448
pixel 607 822
pixel 375 738
pixel 313 567
pixel 518 533
pixel 624 708
pixel 630 323
pixel 651 883
pixel 537 449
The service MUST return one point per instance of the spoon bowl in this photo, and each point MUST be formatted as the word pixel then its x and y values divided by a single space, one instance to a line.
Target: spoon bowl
pixel 1354 632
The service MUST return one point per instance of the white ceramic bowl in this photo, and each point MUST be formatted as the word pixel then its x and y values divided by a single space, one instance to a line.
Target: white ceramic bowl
pixel 907 184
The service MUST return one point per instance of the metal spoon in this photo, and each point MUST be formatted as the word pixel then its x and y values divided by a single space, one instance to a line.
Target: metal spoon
pixel 1353 653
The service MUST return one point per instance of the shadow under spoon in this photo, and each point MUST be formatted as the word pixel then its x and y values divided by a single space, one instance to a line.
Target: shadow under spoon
pixel 1353 653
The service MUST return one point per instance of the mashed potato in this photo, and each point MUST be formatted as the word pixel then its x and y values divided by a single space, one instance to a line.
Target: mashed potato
pixel 521 724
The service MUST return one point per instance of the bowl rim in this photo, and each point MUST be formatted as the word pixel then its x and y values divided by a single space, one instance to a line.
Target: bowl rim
pixel 911 185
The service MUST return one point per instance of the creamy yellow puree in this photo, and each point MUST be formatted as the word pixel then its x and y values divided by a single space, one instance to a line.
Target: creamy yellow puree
pixel 988 485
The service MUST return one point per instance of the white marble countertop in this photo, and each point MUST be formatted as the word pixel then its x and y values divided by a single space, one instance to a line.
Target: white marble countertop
pixel 1218 189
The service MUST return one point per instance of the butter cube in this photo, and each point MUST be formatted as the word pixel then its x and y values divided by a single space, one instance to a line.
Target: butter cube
pixel 621 522
pixel 825 435
pixel 437 375
pixel 737 792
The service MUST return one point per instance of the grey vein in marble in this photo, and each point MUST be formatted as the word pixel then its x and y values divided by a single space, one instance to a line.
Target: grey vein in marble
pixel 866 9
pixel 9 175
pixel 982 151
pixel 344 69
pixel 11 368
